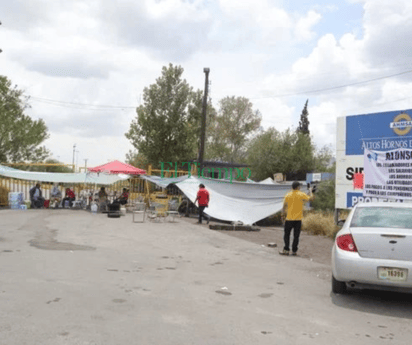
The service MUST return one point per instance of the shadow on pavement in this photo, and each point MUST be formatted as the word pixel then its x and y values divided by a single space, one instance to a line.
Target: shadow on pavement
pixel 386 303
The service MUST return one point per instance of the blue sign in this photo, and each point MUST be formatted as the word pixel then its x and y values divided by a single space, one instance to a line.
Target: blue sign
pixel 379 132
pixel 352 198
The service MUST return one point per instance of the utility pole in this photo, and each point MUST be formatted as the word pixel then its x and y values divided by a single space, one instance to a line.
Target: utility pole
pixel 203 124
pixel 85 165
pixel 74 150
pixel 77 159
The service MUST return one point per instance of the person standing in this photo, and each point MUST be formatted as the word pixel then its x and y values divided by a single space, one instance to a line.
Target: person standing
pixel 293 211
pixel 203 199
pixel 103 200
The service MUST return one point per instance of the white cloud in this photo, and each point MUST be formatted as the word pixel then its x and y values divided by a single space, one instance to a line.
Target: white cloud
pixel 96 150
pixel 167 29
pixel 336 61
pixel 105 52
pixel 303 28
pixel 388 31
pixel 275 113
pixel 323 122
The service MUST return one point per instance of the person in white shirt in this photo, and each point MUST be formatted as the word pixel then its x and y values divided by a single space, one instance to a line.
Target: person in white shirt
pixel 55 196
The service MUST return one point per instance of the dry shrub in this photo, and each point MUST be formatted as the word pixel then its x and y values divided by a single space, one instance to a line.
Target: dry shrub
pixel 320 223
pixel 273 220
pixel 343 214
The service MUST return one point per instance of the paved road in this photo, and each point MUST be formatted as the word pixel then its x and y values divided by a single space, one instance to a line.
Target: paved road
pixel 70 277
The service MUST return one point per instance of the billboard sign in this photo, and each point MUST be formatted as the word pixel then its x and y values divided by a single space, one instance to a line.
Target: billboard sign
pixel 380 132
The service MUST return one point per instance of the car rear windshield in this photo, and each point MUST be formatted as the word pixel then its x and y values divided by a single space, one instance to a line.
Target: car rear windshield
pixel 382 217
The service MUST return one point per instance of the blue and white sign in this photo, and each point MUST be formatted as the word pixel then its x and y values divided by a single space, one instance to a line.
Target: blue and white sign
pixel 352 198
pixel 388 174
pixel 379 132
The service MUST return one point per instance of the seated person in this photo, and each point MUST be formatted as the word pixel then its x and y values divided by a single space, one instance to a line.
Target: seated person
pixel 122 199
pixel 102 194
pixel 36 198
pixel 70 196
pixel 55 195
pixel 102 199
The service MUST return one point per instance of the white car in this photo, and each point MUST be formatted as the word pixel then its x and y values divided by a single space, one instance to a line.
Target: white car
pixel 373 250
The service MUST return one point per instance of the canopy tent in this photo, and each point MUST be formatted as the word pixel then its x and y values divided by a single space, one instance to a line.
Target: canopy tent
pixel 247 202
pixel 103 179
pixel 268 180
pixel 164 181
pixel 237 201
pixel 117 167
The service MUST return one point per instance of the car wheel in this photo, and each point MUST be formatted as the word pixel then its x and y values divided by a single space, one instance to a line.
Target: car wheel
pixel 337 286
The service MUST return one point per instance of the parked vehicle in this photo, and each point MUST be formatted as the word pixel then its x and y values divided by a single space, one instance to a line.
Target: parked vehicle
pixel 373 250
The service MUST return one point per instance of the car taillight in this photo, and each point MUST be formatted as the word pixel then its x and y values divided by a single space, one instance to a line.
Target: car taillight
pixel 345 242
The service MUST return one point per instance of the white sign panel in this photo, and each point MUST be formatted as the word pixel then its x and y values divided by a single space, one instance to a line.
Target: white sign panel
pixel 388 174
pixel 316 177
pixel 382 132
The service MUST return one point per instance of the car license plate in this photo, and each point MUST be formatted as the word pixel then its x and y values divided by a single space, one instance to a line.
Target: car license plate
pixel 392 274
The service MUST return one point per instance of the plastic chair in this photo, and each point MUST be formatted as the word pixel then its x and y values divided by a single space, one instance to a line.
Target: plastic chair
pixel 157 211
pixel 172 212
pixel 139 208
pixel 77 204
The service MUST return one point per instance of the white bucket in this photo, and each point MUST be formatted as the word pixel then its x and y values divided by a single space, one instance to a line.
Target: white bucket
pixel 94 208
pixel 123 210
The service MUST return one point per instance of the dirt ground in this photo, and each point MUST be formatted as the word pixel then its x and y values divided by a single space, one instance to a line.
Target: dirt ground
pixel 311 247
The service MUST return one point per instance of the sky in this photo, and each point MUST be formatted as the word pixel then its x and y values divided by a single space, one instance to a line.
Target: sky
pixel 85 63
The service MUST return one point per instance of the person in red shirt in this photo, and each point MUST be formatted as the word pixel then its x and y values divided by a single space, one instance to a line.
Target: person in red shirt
pixel 122 200
pixel 203 199
pixel 70 196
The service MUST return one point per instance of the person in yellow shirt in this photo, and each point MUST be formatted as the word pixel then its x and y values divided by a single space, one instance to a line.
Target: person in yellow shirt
pixel 293 212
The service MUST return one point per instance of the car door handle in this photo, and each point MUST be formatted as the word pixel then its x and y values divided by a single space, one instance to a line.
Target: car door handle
pixel 393 236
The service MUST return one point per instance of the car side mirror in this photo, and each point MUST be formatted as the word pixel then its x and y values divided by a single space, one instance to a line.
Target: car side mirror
pixel 341 222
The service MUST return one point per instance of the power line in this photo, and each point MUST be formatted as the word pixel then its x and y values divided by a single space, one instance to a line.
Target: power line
pixel 65 103
pixel 104 107
pixel 351 111
pixel 335 87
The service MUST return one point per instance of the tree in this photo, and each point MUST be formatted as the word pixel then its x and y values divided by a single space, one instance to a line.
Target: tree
pixel 57 168
pixel 324 160
pixel 231 129
pixel 262 154
pixel 290 153
pixel 20 136
pixel 167 125
pixel 325 196
pixel 304 120
pixel 137 159
pixel 44 168
pixel 302 157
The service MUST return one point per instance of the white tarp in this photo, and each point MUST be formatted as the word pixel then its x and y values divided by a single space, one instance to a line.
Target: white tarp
pixel 163 181
pixel 61 177
pixel 269 180
pixel 238 201
pixel 388 174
